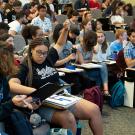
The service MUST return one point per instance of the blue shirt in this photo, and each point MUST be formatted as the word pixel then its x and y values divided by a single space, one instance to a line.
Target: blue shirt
pixel 129 51
pixel 114 48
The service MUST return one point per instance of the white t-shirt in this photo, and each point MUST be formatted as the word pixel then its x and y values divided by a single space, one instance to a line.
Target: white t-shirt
pixel 117 18
pixel 15 26
pixel 24 2
pixel 0 18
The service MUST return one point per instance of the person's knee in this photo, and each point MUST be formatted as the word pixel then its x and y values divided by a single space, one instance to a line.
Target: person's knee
pixel 68 118
pixel 94 111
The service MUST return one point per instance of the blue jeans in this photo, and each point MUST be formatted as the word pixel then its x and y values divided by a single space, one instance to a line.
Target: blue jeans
pixel 104 73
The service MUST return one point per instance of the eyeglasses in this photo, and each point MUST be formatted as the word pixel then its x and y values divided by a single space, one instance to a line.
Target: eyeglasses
pixel 40 53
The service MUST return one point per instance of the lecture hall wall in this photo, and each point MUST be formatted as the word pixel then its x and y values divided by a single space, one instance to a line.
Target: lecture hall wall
pixel 130 1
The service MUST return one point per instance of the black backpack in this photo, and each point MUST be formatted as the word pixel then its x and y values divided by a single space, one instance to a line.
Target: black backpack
pixel 18 124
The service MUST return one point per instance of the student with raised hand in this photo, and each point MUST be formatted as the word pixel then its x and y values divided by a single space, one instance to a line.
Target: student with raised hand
pixel 37 70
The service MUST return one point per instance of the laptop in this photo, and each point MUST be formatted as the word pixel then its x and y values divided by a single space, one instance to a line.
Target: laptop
pixel 47 90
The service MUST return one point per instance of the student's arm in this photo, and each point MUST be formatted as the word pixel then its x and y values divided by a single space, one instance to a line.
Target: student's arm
pixel 16 87
pixel 130 62
pixel 17 82
pixel 80 59
pixel 12 32
pixel 63 37
pixel 65 60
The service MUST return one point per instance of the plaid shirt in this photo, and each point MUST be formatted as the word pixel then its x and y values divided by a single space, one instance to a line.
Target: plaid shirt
pixel 45 25
pixel 129 51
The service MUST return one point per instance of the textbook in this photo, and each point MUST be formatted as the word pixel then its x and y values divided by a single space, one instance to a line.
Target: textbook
pixel 62 101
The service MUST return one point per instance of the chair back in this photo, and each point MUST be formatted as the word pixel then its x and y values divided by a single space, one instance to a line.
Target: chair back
pixel 19 42
pixel 97 13
pixel 110 36
pixel 61 18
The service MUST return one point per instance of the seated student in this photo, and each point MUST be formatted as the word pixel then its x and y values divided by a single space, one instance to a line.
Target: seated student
pixel 129 50
pixel 73 34
pixel 10 43
pixel 86 47
pixel 42 21
pixel 67 56
pixel 117 19
pixel 3 28
pixel 7 68
pixel 37 70
pixel 30 32
pixel 94 4
pixel 100 55
pixel 17 7
pixel 86 16
pixel 8 6
pixel 32 12
pixel 87 42
pixel 117 45
pixel 106 4
pixel 86 26
pixel 81 4
pixel 16 26
pixel 96 25
pixel 73 16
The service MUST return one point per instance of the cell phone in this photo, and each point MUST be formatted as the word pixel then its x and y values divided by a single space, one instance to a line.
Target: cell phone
pixel 35 100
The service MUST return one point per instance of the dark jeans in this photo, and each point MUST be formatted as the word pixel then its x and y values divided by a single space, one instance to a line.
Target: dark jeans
pixel 94 74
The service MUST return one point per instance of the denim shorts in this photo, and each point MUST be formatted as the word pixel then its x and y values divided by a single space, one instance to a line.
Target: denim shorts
pixel 47 112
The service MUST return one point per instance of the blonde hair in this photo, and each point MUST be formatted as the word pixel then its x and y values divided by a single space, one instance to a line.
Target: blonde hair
pixel 84 15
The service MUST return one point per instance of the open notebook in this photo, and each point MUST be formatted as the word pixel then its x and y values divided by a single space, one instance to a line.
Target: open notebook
pixel 62 101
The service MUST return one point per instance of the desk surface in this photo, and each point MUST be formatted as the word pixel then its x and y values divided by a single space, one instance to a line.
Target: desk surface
pixel 88 65
pixel 66 70
pixel 133 69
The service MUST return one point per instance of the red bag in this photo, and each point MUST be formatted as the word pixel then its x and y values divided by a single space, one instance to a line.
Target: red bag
pixel 120 61
pixel 94 95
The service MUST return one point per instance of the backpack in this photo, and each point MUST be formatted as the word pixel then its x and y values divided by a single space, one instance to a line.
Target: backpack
pixel 18 124
pixel 117 94
pixel 94 95
pixel 120 61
